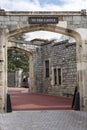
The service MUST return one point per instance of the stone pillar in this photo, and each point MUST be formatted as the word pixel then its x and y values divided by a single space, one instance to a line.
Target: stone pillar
pixel 18 77
pixel 3 69
pixel 82 68
pixel 31 74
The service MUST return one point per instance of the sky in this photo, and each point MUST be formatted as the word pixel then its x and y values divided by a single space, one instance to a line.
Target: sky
pixel 43 5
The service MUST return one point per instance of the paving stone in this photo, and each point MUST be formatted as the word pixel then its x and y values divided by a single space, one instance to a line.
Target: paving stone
pixel 44 120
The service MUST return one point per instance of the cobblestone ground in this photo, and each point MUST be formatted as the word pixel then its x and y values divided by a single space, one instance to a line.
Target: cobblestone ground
pixel 44 120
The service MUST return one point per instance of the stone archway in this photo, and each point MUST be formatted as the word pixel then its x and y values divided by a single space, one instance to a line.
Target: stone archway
pixel 73 33
pixel 29 53
pixel 52 28
pixel 69 23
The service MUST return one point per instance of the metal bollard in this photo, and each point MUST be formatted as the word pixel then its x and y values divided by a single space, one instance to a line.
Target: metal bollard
pixel 77 102
pixel 9 107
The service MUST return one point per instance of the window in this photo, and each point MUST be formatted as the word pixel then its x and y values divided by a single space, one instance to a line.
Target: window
pixel 57 76
pixel 47 68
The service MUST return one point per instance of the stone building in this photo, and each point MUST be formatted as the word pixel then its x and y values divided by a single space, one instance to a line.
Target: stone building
pixel 55 68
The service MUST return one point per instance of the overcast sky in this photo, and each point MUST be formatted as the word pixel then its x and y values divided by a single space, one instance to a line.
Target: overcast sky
pixel 43 5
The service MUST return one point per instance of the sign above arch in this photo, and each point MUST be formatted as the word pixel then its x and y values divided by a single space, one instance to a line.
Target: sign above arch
pixel 43 20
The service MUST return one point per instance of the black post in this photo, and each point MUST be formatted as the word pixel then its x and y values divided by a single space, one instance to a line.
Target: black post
pixel 77 102
pixel 74 96
pixel 9 107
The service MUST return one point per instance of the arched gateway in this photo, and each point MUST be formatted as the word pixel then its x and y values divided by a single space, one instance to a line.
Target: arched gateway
pixel 73 24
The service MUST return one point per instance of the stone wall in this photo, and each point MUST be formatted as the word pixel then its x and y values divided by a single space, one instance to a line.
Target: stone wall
pixel 61 55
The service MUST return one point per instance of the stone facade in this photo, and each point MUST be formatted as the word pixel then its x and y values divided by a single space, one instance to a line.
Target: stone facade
pixel 60 55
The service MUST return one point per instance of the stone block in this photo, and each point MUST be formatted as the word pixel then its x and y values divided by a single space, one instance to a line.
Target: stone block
pixel 14 18
pixel 77 18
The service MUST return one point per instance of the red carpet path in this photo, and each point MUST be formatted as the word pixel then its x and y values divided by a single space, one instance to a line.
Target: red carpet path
pixel 22 100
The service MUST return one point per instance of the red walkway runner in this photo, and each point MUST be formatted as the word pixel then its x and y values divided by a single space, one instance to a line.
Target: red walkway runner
pixel 22 100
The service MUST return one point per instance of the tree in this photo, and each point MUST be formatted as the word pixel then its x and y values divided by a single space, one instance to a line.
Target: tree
pixel 17 59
